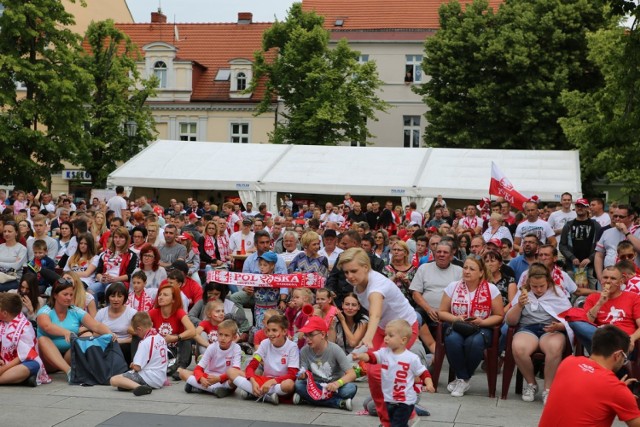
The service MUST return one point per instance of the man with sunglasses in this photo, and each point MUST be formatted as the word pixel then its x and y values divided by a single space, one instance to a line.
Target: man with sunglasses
pixel 592 382
pixel 622 229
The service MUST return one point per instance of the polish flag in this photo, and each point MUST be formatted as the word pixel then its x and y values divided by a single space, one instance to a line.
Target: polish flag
pixel 502 187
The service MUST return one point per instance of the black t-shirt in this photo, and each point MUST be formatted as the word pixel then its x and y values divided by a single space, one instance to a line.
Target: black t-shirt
pixel 581 237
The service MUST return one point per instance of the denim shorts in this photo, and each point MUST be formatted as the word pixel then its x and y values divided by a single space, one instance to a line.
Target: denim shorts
pixel 135 377
pixel 32 366
pixel 536 329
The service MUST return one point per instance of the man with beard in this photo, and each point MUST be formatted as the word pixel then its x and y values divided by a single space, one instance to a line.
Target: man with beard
pixel 521 263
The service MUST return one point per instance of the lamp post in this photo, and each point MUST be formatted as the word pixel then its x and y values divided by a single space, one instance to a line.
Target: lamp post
pixel 132 130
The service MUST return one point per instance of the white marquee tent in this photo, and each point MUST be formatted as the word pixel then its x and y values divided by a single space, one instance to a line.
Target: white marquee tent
pixel 259 171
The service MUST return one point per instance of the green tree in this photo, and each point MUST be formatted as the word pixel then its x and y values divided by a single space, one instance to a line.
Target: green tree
pixel 118 96
pixel 497 77
pixel 328 96
pixel 41 124
pixel 605 123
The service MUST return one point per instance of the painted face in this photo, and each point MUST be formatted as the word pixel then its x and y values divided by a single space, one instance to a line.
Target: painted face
pixel 225 338
pixel 217 314
pixel 323 300
pixel 213 295
pixel 276 334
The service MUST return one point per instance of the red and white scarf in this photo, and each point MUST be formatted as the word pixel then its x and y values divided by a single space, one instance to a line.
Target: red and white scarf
pixel 210 246
pixel 11 334
pixel 469 223
pixel 480 307
pixel 315 392
pixel 140 303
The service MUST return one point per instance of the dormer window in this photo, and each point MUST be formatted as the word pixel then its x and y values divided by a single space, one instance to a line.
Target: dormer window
pixel 160 71
pixel 241 81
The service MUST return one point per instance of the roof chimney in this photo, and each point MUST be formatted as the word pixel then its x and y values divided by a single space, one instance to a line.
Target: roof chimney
pixel 245 18
pixel 158 17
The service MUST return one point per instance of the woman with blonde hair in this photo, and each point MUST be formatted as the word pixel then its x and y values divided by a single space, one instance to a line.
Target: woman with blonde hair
pixel 98 225
pixel 309 261
pixel 81 298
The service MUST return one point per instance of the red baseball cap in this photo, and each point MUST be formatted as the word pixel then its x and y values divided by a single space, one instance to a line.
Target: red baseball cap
pixel 496 242
pixel 582 202
pixel 315 323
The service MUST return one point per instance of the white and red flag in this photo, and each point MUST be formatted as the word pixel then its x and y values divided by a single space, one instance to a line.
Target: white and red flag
pixel 501 186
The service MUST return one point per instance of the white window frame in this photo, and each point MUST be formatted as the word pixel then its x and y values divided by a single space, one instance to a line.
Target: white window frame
pixel 414 130
pixel 363 58
pixel 240 137
pixel 161 71
pixel 413 64
pixel 190 133
pixel 241 81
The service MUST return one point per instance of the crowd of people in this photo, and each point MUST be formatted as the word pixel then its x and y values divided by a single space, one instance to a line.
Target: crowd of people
pixel 131 268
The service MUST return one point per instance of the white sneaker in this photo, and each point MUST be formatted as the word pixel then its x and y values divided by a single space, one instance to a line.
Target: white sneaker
pixel 529 392
pixel 296 399
pixel 545 394
pixel 246 396
pixel 461 387
pixel 452 385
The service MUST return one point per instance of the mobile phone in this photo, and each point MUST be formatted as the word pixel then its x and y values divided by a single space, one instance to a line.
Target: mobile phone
pixel 468 319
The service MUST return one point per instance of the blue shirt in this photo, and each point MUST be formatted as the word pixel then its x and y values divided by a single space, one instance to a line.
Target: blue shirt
pixel 71 322
pixel 519 265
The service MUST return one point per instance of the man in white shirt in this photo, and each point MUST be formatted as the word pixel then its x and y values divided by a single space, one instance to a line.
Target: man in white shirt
pixel 598 213
pixel 471 221
pixel 558 219
pixel 117 203
pixel 330 249
pixel 533 225
pixel 244 235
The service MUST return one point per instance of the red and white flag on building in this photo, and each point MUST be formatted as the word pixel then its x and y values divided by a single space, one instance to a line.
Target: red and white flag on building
pixel 501 186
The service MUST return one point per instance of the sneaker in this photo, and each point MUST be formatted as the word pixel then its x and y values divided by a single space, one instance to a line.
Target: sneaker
pixel 172 366
pixel 188 388
pixel 545 394
pixel 31 381
pixel 346 404
pixel 452 385
pixel 221 392
pixel 69 376
pixel 142 390
pixel 246 396
pixel 422 412
pixel 296 399
pixel 461 387
pixel 272 398
pixel 529 392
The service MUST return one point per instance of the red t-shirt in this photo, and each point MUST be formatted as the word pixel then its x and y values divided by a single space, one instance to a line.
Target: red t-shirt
pixel 192 290
pixel 621 311
pixel 259 336
pixel 211 331
pixel 601 396
pixel 171 325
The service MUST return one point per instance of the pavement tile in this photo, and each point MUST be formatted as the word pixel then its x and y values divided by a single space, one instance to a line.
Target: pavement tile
pixel 33 416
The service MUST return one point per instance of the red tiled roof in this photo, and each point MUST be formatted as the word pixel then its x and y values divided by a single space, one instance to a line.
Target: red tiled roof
pixel 381 14
pixel 211 45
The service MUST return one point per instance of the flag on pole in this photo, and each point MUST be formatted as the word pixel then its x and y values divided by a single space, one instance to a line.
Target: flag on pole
pixel 501 186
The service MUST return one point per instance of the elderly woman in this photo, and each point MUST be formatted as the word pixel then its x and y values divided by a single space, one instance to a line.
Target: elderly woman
pixel 381 248
pixel 535 310
pixel 309 261
pixel 474 301
pixel 290 246
pixel 496 230
pixel 57 321
pixel 385 302
pixel 150 265
pixel 117 316
pixel 400 271
pixel 13 256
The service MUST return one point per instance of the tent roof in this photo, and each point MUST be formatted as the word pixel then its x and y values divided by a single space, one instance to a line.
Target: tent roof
pixel 366 171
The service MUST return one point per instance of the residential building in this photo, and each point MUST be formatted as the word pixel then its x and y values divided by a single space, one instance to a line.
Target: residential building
pixel 391 33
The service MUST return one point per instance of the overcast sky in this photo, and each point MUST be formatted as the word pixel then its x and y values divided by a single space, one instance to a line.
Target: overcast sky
pixel 210 10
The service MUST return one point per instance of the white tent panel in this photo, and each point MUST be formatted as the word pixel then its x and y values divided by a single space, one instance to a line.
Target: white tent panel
pixel 192 165
pixel 466 173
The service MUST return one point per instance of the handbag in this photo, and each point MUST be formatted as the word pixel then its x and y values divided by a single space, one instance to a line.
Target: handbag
pixel 465 329
pixel 8 275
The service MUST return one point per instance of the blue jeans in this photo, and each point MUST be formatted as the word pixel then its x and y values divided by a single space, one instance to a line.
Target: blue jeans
pixel 12 284
pixel 465 354
pixel 347 391
pixel 399 414
pixel 584 332
pixel 502 341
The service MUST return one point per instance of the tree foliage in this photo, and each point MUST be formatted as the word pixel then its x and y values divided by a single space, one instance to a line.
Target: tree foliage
pixel 328 96
pixel 497 76
pixel 605 122
pixel 41 125
pixel 118 95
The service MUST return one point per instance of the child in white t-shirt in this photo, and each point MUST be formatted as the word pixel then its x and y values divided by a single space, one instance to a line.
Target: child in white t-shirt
pixel 210 374
pixel 402 366
pixel 280 361
pixel 149 366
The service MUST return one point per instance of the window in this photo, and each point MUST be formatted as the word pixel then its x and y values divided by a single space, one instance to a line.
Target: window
pixel 411 130
pixel 363 58
pixel 160 71
pixel 240 133
pixel 413 69
pixel 223 75
pixel 241 81
pixel 188 132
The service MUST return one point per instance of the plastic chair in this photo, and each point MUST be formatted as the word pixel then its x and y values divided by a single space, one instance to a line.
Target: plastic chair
pixel 490 358
pixel 510 364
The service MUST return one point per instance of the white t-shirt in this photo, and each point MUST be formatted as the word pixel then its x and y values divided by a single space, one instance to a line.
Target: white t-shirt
pixel 117 204
pixel 417 218
pixel 540 228
pixel 331 259
pixel 603 219
pixel 81 268
pixel 398 374
pixel 117 325
pixel 430 280
pixel 235 242
pixel 151 356
pixel 558 219
pixel 395 305
pixel 277 360
pixel 216 361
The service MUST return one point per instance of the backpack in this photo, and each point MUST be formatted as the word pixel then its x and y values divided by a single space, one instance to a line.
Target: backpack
pixel 94 360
